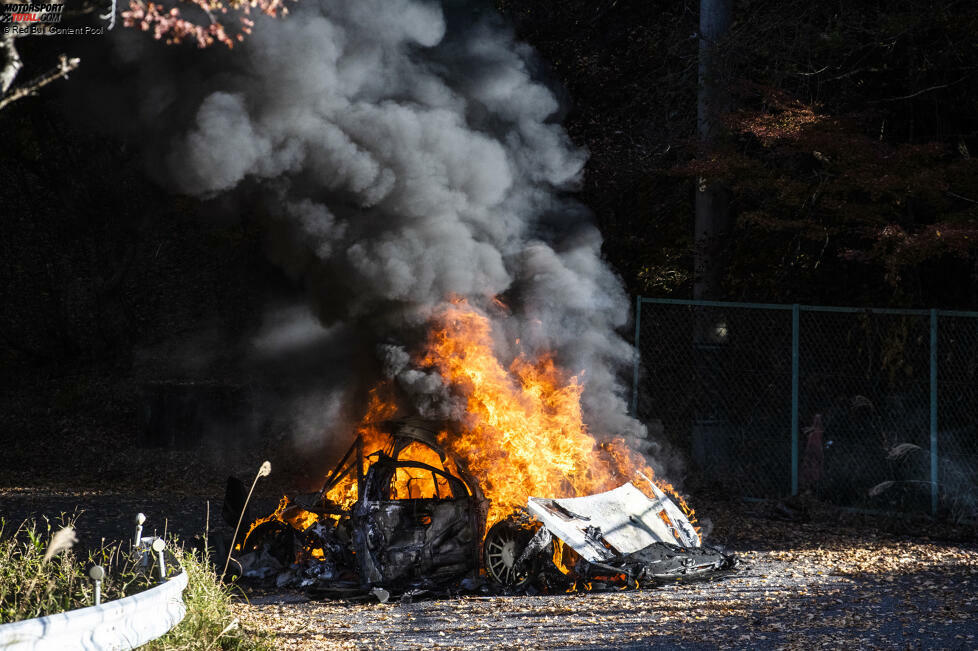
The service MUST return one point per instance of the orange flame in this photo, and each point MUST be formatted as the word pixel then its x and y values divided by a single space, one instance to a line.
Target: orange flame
pixel 295 516
pixel 524 432
pixel 380 407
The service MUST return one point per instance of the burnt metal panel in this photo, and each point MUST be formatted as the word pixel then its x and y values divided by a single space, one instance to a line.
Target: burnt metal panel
pixel 620 521
pixel 400 541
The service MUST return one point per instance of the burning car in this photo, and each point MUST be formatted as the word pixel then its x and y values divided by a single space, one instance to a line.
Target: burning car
pixel 410 516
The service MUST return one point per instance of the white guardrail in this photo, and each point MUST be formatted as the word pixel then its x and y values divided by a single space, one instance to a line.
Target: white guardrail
pixel 121 624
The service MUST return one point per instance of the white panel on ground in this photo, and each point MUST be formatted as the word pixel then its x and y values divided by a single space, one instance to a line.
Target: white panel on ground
pixel 620 521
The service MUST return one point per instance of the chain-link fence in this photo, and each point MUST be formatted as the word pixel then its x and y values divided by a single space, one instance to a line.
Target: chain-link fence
pixel 867 408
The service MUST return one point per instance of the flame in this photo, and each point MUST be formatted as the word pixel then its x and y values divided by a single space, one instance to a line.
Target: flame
pixel 415 483
pixel 295 516
pixel 524 432
pixel 380 406
pixel 563 557
pixel 409 483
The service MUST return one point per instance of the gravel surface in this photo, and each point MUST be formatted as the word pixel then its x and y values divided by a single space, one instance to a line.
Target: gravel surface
pixel 825 583
pixel 804 585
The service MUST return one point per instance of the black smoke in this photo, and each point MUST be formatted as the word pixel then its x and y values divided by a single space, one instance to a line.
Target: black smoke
pixel 406 152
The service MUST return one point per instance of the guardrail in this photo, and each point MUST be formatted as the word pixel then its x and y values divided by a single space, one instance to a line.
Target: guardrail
pixel 121 624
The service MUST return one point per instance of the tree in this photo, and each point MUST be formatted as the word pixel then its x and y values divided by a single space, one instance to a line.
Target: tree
pixel 171 26
pixel 850 140
pixel 36 23
pixel 205 24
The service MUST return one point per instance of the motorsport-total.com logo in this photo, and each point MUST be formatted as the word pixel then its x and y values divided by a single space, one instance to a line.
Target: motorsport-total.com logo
pixel 39 18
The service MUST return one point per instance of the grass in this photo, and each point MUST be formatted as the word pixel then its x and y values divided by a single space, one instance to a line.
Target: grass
pixel 210 622
pixel 40 577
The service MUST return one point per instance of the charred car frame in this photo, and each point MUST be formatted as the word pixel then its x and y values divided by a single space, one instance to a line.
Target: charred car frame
pixel 406 535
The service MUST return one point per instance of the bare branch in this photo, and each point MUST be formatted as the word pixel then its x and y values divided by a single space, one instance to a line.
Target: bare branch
pixel 925 90
pixel 814 73
pixel 65 66
pixel 958 196
pixel 110 16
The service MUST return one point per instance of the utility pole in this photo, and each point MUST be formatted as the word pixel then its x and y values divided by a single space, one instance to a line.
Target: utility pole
pixel 710 428
pixel 712 199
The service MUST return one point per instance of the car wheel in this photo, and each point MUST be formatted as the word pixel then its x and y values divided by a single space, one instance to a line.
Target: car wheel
pixel 503 546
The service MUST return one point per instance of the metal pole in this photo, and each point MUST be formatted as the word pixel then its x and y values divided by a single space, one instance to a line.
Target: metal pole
pixel 933 412
pixel 638 354
pixel 359 444
pixel 158 546
pixel 97 573
pixel 795 335
pixel 140 519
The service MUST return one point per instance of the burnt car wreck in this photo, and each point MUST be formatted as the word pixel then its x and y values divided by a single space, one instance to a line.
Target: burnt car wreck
pixel 420 538
pixel 417 523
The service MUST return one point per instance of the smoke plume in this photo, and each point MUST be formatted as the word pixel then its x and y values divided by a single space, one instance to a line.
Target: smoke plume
pixel 406 153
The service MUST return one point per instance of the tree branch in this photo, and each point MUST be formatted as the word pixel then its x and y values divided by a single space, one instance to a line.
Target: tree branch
pixel 958 196
pixel 12 63
pixel 65 66
pixel 922 91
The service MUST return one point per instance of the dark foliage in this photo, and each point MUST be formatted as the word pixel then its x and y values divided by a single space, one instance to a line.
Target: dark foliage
pixel 849 154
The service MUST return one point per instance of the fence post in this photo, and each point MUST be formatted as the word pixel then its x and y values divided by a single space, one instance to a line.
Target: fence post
pixel 933 412
pixel 638 354
pixel 795 336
